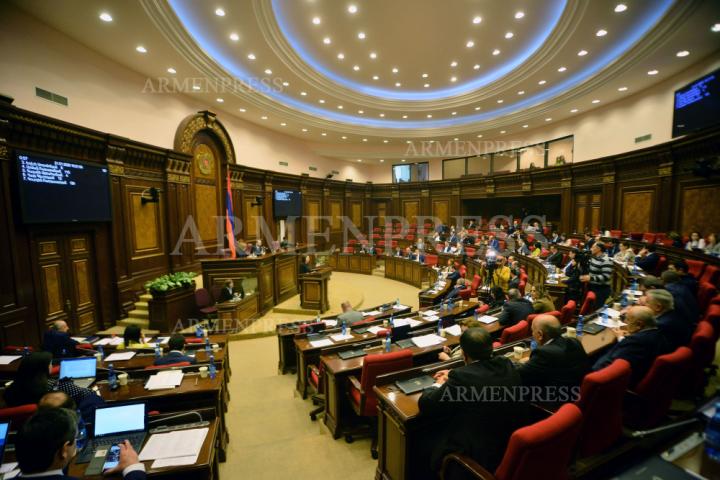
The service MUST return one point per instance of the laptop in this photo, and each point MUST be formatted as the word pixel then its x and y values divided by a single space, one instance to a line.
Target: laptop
pixel 414 385
pixel 347 354
pixel 4 430
pixel 115 423
pixel 81 370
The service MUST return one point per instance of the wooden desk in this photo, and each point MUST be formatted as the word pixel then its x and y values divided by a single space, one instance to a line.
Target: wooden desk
pixel 428 299
pixel 235 315
pixel 352 262
pixel 314 294
pixel 404 270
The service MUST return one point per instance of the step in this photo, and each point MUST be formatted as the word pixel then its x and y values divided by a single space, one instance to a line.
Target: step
pixel 145 297
pixel 139 313
pixel 144 324
pixel 141 305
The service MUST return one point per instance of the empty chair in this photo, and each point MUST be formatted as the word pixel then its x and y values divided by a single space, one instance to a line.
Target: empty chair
pixel 431 260
pixel 513 333
pixel 567 312
pixel 315 380
pixel 706 291
pixel 711 275
pixel 702 345
pixel 204 303
pixel 588 305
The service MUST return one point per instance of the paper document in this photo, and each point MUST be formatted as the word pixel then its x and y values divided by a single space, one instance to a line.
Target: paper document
pixel 165 379
pixel 330 323
pixel 119 356
pixel 488 319
pixel 400 307
pixel 428 340
pixel 177 444
pixel 610 322
pixel 610 312
pixel 7 467
pixel 8 359
pixel 375 329
pixel 371 313
pixel 339 337
pixel 174 462
pixel 429 312
pixel 109 341
pixel 637 293
pixel 400 322
pixel 78 339
pixel 163 340
pixel 431 318
pixel 454 330
pixel 325 342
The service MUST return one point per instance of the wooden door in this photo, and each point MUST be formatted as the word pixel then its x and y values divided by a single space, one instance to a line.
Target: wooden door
pixel 65 281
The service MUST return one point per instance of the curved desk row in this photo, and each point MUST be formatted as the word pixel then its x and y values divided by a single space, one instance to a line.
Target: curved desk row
pixel 408 271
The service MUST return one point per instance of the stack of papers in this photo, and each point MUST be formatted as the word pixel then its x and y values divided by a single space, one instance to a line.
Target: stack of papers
pixel 488 319
pixel 8 359
pixel 325 342
pixel 78 339
pixel 109 341
pixel 330 323
pixel 162 340
pixel 9 470
pixel 119 356
pixel 428 340
pixel 165 379
pixel 407 321
pixel 610 312
pixel 610 322
pixel 400 307
pixel 431 318
pixel 371 313
pixel 339 337
pixel 375 329
pixel 180 447
pixel 454 330
pixel 433 313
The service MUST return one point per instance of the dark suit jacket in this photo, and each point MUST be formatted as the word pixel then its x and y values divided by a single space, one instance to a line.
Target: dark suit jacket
pixel 648 262
pixel 304 268
pixel 174 357
pixel 514 311
pixel 55 341
pixel 690 283
pixel 677 330
pixel 639 349
pixel 225 295
pixel 685 302
pixel 562 362
pixel 555 259
pixel 472 424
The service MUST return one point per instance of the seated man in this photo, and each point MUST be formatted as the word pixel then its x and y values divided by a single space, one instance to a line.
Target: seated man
pixel 176 345
pixel 133 338
pixel 647 258
pixel 57 340
pixel 475 420
pixel 45 445
pixel 681 268
pixel 557 361
pixel 228 291
pixel 454 294
pixel 685 302
pixel 456 353
pixel 677 330
pixel 640 347
pixel 349 316
pixel 555 257
pixel 305 265
pixel 515 309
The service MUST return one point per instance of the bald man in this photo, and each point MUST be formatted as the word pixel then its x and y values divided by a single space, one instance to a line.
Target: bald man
pixel 57 340
pixel 557 361
pixel 349 316
pixel 643 344
pixel 676 328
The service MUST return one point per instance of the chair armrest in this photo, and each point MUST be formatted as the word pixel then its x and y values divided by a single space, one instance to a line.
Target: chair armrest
pixel 356 384
pixel 467 463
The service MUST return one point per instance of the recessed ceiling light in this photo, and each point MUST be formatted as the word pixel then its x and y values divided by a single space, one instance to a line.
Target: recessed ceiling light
pixel 361 35
pixel 548 119
pixel 364 139
pixel 479 136
pixel 375 77
pixel 601 33
pixel 562 69
pixel 402 160
pixel 453 113
pixel 356 67
pixel 324 134
pixel 341 56
pixel 502 131
pixel 404 116
pixel 219 12
pixel 596 101
pixel 373 55
pixel 361 112
pixel 429 115
pixel 321 101
pixel 426 85
pixel 386 141
pixel 382 160
pixel 470 44
pixel 500 101
pixel 582 53
pixel 141 49
pixel 242 110
pixel 477 108
pixel 382 115
pixel 171 71
pixel 521 92
pixel 340 107
pixel 574 110
pixel 234 37
pixel 268 71
pixel 251 56
pixel 327 40
pixel 455 139
pixel 264 117
pixel 316 20
pixel 424 75
pixel 653 72
pixel 359 159
pixel 519 15
pixel 622 89
pixel 196 87
pixel 219 100
pixel 304 94
pixel 453 79
pixel 509 35
pixel 395 70
pixel 715 28
pixel 283 124
pixel 344 137
pixel 682 53
pixel 525 126
pixel 542 82
pixel 398 84
pixel 496 52
pixel 304 129
pixel 286 84
pixel 620 7
pixel 476 20
pixel 106 17
pixel 352 8
pixel 453 64
pixel 476 66
pixel 408 141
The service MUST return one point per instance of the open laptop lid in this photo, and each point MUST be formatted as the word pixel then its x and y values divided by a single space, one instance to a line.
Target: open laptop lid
pixel 85 367
pixel 115 419
pixel 4 430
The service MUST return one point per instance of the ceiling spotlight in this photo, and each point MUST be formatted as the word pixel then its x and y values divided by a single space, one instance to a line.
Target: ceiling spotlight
pixel 424 75
pixel 283 124
pixel 653 72
pixel 375 77
pixel 304 129
pixel 476 66
pixel 234 37
pixel 542 82
pixel 429 115
pixel 502 131
pixel 622 89
pixel 470 44
pixel 496 52
pixel 479 136
pixel 326 40
pixel 106 17
pixel 268 71
pixel 264 117
pixel 682 53
pixel 395 70
pixel 715 28
pixel 356 67
pixel 500 101
pixel 596 101
pixel 359 159
pixel 286 84
pixel 519 15
pixel 426 85
pixel 574 110
pixel 196 87
pixel 509 35
pixel 382 160
pixel 341 56
pixel 582 53
pixel 361 112
pixel 453 79
pixel 453 64
pixel 361 35
pixel 340 107
pixel 404 116
pixel 397 84
pixel 477 108
pixel 352 8
pixel 402 160
pixel 316 20
pixel 219 100
pixel 525 126
pixel 562 69
pixel 141 49
pixel 386 141
pixel 251 56
pixel 344 137
pixel 521 92
pixel 324 134
pixel 171 71
pixel 548 119
pixel 321 101
pixel 304 94
pixel 476 20
pixel 242 110
pixel 455 139
pixel 364 139
pixel 453 113
pixel 382 115
pixel 219 12
pixel 373 55
pixel 620 7
pixel 601 33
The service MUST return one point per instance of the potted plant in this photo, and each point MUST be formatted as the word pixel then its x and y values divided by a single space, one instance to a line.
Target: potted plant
pixel 166 283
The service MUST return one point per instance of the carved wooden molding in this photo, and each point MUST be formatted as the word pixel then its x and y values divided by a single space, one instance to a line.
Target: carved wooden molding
pixel 665 170
pixel 608 177
pixel 198 122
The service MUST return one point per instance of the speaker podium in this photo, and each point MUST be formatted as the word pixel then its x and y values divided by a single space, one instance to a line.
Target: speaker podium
pixel 315 289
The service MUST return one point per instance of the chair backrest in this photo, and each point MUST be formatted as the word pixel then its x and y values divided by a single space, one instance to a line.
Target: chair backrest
pixel 475 283
pixel 567 312
pixel 169 365
pixel 533 316
pixel 431 259
pixel 515 332
pixel 706 291
pixel 348 249
pixel 695 267
pixel 17 415
pixel 659 385
pixel 379 364
pixel 202 298
pixel 588 305
pixel 648 237
pixel 661 265
pixel 601 400
pixel 616 233
pixel 702 345
pixel 530 448
pixel 713 317
pixel 711 275
pixel 483 309
pixel 636 236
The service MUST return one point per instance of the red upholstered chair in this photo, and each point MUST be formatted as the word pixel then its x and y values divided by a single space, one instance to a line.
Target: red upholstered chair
pixel 204 302
pixel 470 251
pixel 194 340
pixel 431 260
pixel 361 394
pixel 695 268
pixel 706 291
pixel 169 365
pixel 463 271
pixel 17 349
pixel 513 333
pixel 601 400
pixel 637 236
pixel 315 380
pixel 475 284
pixel 482 309
pixel 574 242
pixel 379 251
pixel 654 393
pixel 17 415
pixel 702 345
pixel 541 450
pixel 666 242
pixel 588 305
pixel 567 312
pixel 661 265
pixel 713 316
pixel 352 241
pixel 348 249
pixel 660 237
pixel 711 275
pixel 616 233
pixel 533 316
pixel 54 370
pixel 648 237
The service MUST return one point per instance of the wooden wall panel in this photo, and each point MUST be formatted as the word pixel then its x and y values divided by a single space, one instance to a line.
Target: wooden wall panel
pixel 356 214
pixel 250 215
pixel 336 214
pixel 411 209
pixel 441 210
pixel 700 209
pixel 312 210
pixel 637 210
pixel 206 212
pixel 146 228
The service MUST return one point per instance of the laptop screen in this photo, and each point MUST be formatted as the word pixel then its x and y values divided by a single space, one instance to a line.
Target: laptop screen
pixel 78 368
pixel 4 427
pixel 119 419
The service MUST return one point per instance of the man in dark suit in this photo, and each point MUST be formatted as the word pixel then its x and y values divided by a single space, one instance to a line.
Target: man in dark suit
pixel 454 294
pixel 677 330
pixel 305 266
pixel 647 258
pixel 515 309
pixel 557 361
pixel 681 268
pixel 555 257
pixel 640 347
pixel 685 302
pixel 45 445
pixel 476 421
pixel 176 344
pixel 228 291
pixel 57 341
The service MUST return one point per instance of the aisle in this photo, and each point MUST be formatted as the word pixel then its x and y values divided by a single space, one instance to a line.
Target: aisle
pixel 271 435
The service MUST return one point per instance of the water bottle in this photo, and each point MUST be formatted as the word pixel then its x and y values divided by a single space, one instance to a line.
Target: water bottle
pixel 26 351
pixel 344 328
pixel 198 331
pixel 439 331
pixel 604 315
pixel 212 369
pixel 158 350
pixel 392 321
pixel 388 342
pixel 635 267
pixel 475 315
pixel 712 435
pixel 579 326
pixel 624 300
pixel 207 345
pixel 317 318
pixel 533 345
pixel 397 301
pixel 112 378
pixel 101 351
